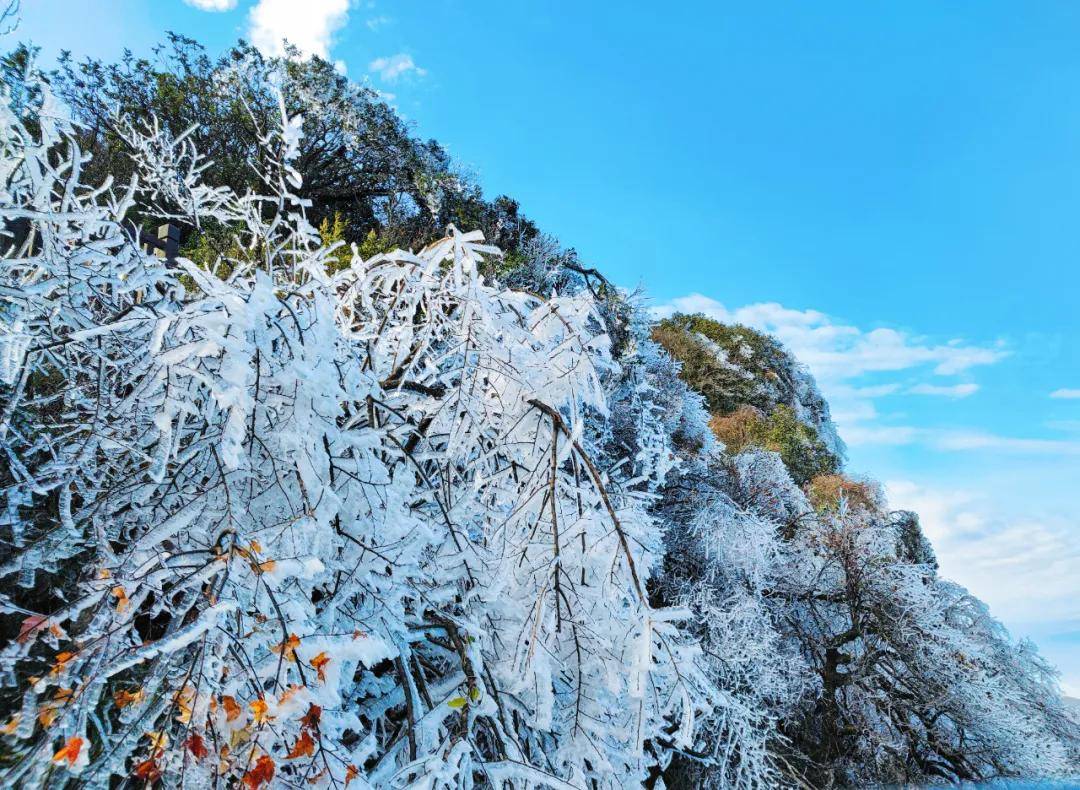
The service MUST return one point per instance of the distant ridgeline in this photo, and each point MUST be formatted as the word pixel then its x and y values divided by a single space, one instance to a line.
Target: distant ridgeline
pixel 344 494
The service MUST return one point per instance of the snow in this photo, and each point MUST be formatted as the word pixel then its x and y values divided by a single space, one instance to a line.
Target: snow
pixel 435 513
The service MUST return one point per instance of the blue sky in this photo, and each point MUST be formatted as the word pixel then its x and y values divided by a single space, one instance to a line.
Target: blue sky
pixel 891 188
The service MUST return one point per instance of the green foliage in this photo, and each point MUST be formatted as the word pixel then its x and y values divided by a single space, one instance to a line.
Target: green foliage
pixel 360 164
pixel 827 491
pixel 804 454
pixel 336 231
pixel 801 449
pixel 212 247
pixel 333 232
pixel 373 244
pixel 748 382
pixel 752 369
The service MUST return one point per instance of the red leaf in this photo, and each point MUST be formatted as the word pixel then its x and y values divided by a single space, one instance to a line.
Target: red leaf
pixel 304 747
pixel 310 721
pixel 197 746
pixel 261 773
pixel 29 627
pixel 148 770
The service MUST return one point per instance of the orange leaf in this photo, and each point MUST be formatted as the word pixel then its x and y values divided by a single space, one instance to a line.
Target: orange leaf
pixel 184 699
pixel 259 709
pixel 184 716
pixel 12 725
pixel 30 626
pixel 232 710
pixel 260 773
pixel 62 659
pixel 287 649
pixel 121 598
pixel 310 721
pixel 197 746
pixel 69 751
pixel 266 566
pixel 148 770
pixel 47 714
pixel 288 692
pixel 123 698
pixel 304 747
pixel 319 662
pixel 351 773
pixel 158 740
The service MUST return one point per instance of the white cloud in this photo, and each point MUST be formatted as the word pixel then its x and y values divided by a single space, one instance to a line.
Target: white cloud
pixel 858 430
pixel 394 66
pixel 1023 566
pixel 376 22
pixel 835 351
pixel 857 434
pixel 309 25
pixel 954 391
pixel 977 440
pixel 212 5
pixel 1066 394
pixel 840 355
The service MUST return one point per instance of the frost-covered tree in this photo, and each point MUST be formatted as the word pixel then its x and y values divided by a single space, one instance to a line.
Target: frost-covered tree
pixel 359 159
pixel 289 511
pixel 277 524
pixel 912 679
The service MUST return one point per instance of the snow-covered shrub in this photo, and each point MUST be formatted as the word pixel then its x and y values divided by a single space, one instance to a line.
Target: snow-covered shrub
pixel 912 678
pixel 277 524
pixel 290 512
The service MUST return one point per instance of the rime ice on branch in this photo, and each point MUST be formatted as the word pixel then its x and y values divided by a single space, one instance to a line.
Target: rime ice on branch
pixel 336 529
pixel 291 515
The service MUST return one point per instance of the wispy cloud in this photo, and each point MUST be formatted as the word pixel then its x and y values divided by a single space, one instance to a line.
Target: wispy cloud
pixel 945 391
pixel 377 22
pixel 841 356
pixel 309 25
pixel 840 351
pixel 393 67
pixel 863 432
pixel 1024 566
pixel 859 434
pixel 1066 394
pixel 978 440
pixel 212 5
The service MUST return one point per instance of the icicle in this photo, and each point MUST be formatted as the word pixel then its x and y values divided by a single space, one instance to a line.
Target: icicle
pixel 16 498
pixel 31 560
pixel 27 715
pixel 13 347
pixel 65 512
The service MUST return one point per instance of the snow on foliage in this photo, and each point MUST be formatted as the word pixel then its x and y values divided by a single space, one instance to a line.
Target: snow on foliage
pixel 328 528
pixel 278 521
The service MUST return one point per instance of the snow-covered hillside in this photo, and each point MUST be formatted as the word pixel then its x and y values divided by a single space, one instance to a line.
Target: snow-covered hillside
pixel 287 513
